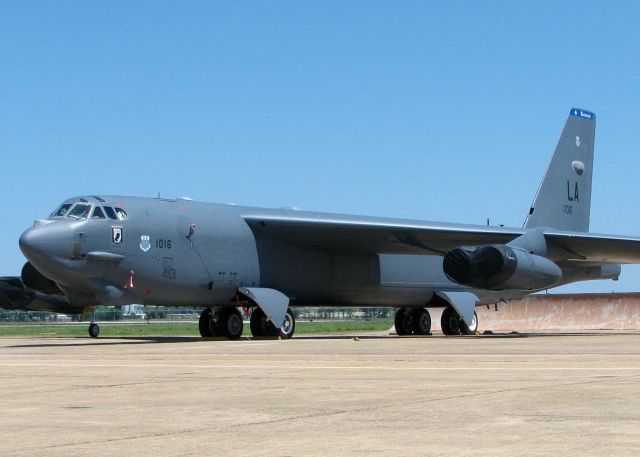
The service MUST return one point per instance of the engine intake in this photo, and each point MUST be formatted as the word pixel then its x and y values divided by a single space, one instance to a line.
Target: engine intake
pixel 35 280
pixel 500 267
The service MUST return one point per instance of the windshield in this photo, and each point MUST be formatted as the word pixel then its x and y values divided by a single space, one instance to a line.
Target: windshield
pixel 97 213
pixel 83 210
pixel 110 212
pixel 61 211
pixel 80 211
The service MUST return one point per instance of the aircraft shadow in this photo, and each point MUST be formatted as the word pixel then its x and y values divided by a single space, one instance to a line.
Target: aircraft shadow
pixel 80 341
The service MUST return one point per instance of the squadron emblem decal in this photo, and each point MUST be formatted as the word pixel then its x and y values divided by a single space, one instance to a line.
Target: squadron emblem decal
pixel 116 234
pixel 145 244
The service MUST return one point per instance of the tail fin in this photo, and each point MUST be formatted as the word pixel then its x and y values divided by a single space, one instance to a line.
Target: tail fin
pixel 563 200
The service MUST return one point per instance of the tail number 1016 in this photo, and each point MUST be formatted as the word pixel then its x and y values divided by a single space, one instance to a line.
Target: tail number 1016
pixel 163 244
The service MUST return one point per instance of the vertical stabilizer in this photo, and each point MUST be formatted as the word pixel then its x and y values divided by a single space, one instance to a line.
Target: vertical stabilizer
pixel 563 200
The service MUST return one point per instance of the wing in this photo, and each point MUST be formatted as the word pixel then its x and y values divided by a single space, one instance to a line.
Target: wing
pixel 360 234
pixel 15 296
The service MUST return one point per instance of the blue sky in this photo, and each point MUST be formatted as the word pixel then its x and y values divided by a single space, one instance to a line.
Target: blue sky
pixel 445 111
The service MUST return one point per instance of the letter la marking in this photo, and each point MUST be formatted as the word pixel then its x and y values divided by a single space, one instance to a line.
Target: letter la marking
pixel 576 196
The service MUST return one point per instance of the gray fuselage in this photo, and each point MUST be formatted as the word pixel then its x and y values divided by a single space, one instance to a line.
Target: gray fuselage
pixel 181 252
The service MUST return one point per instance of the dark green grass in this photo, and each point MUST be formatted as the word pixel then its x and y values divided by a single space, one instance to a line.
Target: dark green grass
pixel 181 328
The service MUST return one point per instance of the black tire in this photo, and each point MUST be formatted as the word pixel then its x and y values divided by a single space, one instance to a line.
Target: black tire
pixel 204 324
pixel 450 322
pixel 260 326
pixel 254 322
pixel 289 326
pixel 404 321
pixel 94 330
pixel 421 322
pixel 469 330
pixel 231 324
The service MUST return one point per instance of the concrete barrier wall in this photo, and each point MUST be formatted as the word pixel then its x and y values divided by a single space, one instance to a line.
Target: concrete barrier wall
pixel 559 312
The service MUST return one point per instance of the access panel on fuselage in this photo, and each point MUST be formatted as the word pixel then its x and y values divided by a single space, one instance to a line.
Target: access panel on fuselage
pixel 167 265
pixel 224 244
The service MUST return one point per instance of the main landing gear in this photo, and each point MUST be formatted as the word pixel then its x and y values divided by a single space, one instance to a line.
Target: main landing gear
pixel 452 323
pixel 415 321
pixel 262 327
pixel 226 322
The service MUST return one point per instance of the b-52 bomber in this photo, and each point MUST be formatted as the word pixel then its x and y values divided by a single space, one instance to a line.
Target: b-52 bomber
pixel 112 250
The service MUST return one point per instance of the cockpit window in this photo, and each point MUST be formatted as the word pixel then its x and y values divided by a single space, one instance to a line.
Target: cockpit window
pixel 122 215
pixel 80 211
pixel 97 213
pixel 111 214
pixel 62 210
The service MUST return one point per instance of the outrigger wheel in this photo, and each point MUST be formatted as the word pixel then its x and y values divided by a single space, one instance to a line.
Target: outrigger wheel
pixel 94 330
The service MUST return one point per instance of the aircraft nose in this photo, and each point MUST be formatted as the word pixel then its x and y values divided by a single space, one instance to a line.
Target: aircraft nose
pixel 44 240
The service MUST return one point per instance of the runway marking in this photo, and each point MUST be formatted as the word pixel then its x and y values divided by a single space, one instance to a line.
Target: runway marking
pixel 435 354
pixel 315 367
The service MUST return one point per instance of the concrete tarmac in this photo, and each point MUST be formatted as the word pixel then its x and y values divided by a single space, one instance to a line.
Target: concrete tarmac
pixel 500 395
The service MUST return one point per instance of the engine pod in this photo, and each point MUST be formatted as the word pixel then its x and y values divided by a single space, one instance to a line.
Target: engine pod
pixel 35 280
pixel 500 267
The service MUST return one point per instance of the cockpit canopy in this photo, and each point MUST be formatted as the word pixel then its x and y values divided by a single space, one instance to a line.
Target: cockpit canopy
pixel 83 209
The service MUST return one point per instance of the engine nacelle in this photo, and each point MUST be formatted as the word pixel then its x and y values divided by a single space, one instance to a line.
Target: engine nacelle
pixel 35 280
pixel 500 267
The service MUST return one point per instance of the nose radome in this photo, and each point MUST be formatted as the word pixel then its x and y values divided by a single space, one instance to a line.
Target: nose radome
pixel 44 240
pixel 32 242
pixel 40 222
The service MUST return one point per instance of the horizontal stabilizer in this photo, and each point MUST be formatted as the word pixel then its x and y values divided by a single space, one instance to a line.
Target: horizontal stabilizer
pixel 591 247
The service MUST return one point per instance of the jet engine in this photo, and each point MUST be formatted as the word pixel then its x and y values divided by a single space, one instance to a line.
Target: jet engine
pixel 35 280
pixel 500 267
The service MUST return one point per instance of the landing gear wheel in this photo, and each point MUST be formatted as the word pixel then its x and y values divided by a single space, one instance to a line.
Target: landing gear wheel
pixel 469 329
pixel 205 323
pixel 231 323
pixel 404 321
pixel 94 330
pixel 289 326
pixel 263 327
pixel 421 322
pixel 450 322
pixel 259 324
